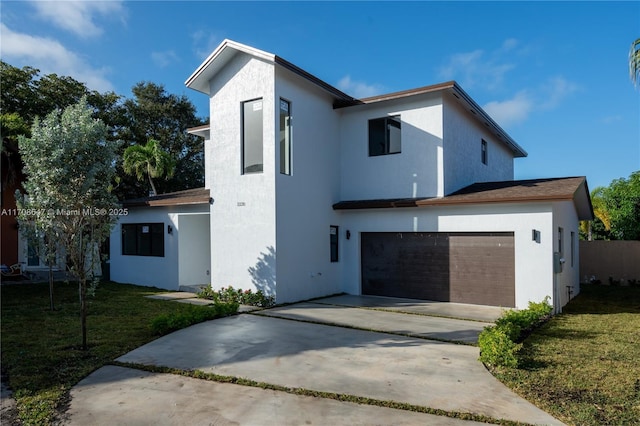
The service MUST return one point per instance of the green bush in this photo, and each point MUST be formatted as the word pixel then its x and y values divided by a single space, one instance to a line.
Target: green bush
pixel 500 344
pixel 243 297
pixel 165 324
pixel 497 348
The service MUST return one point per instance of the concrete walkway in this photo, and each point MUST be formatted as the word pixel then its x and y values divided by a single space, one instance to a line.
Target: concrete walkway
pixel 268 346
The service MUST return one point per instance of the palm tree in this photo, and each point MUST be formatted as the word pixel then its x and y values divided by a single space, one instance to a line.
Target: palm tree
pixel 634 62
pixel 148 160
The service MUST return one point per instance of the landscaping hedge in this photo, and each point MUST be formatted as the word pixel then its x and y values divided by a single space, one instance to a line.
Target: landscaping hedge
pixel 500 343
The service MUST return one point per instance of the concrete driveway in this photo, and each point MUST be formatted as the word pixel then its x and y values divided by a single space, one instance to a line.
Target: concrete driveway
pixel 377 348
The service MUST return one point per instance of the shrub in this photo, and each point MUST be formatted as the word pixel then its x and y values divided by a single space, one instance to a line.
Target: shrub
pixel 165 324
pixel 497 348
pixel 243 297
pixel 500 344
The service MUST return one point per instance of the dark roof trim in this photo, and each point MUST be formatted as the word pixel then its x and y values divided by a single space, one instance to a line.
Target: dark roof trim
pixel 179 198
pixel 522 191
pixel 342 97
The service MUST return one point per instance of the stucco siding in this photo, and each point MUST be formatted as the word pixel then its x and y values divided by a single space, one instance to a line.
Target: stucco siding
pixel 243 210
pixel 533 268
pixel 304 199
pixel 567 281
pixel 462 151
pixel 414 172
pixel 154 271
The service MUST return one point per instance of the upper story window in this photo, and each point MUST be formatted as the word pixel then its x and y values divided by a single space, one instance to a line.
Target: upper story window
pixel 483 152
pixel 384 136
pixel 285 137
pixel 143 239
pixel 252 161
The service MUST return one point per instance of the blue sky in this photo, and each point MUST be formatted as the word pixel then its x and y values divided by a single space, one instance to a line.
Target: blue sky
pixel 554 75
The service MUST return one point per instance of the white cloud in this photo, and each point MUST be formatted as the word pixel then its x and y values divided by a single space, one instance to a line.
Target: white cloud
pixel 547 96
pixel 204 43
pixel 511 111
pixel 359 89
pixel 555 90
pixel 164 59
pixel 478 67
pixel 50 56
pixel 78 17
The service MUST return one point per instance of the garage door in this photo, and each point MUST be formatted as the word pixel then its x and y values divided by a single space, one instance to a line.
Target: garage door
pixel 476 268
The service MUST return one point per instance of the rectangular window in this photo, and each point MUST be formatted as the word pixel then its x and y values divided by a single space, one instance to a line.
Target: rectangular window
pixel 560 238
pixel 573 247
pixel 285 137
pixel 143 239
pixel 384 136
pixel 252 137
pixel 333 242
pixel 484 152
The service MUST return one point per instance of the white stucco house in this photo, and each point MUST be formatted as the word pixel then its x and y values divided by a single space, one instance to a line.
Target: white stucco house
pixel 310 192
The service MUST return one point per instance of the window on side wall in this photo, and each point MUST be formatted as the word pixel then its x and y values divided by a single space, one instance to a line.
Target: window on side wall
pixel 483 152
pixel 285 137
pixel 143 239
pixel 252 157
pixel 573 247
pixel 384 136
pixel 333 242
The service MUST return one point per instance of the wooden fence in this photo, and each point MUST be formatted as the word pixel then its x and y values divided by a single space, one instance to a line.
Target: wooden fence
pixel 618 260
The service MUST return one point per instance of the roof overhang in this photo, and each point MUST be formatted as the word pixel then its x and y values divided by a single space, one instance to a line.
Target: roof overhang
pixel 228 49
pixel 518 191
pixel 179 198
pixel 202 131
pixel 459 95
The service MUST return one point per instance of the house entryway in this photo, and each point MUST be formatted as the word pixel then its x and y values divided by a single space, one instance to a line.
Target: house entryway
pixel 194 250
pixel 474 268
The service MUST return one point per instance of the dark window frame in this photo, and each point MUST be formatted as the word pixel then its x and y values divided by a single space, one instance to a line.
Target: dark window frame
pixel 258 167
pixel 143 239
pixel 286 144
pixel 383 146
pixel 334 237
pixel 484 155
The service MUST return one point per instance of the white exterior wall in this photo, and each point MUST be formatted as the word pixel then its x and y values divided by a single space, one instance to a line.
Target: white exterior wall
pixel 153 271
pixel 415 172
pixel 304 200
pixel 462 151
pixel 565 216
pixel 533 268
pixel 243 210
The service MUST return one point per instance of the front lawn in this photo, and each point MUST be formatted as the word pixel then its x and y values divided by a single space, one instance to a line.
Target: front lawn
pixel 583 366
pixel 41 349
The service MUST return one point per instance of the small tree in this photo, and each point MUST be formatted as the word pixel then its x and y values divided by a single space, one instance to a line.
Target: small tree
pixel 69 166
pixel 149 160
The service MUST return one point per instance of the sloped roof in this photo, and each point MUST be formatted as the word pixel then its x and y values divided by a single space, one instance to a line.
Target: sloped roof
pixel 517 191
pixel 228 49
pixel 179 198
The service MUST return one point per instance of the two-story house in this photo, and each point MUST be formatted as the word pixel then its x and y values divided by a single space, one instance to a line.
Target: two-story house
pixel 310 192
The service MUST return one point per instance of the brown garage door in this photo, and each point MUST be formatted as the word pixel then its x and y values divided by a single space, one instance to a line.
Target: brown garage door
pixel 474 268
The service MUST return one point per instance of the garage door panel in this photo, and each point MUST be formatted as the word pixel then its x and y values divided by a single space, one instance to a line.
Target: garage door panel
pixel 458 267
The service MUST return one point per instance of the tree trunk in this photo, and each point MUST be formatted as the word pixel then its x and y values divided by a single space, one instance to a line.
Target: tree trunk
pixel 153 187
pixel 51 286
pixel 83 310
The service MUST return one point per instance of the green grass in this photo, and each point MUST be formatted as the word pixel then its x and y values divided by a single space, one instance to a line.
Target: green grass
pixel 41 349
pixel 583 366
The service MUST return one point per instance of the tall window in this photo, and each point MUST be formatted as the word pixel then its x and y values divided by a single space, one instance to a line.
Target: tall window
pixel 252 137
pixel 573 247
pixel 285 137
pixel 384 136
pixel 143 239
pixel 483 151
pixel 560 238
pixel 333 242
